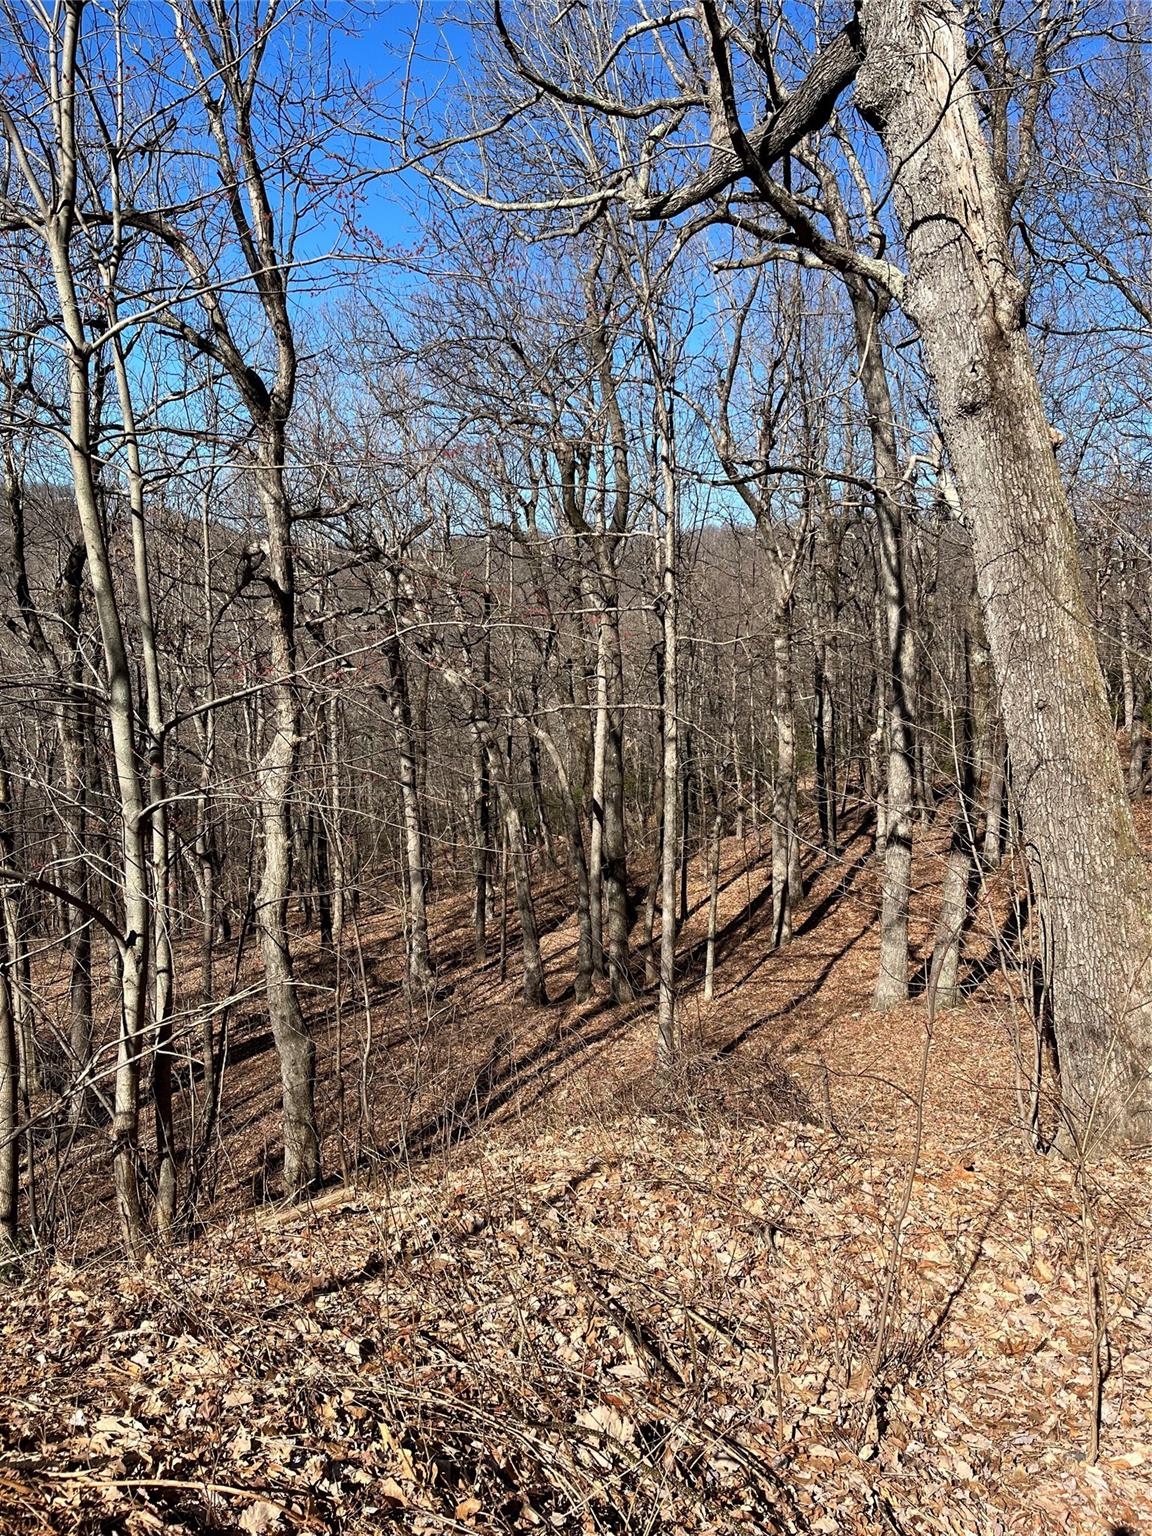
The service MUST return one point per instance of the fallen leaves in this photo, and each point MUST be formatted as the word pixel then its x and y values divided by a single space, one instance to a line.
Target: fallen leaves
pixel 651 1322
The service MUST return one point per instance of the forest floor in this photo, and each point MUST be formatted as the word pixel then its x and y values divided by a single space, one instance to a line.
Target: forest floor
pixel 781 1290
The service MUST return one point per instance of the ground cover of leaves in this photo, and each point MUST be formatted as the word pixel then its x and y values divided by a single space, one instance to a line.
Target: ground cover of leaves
pixel 642 1304
pixel 668 1330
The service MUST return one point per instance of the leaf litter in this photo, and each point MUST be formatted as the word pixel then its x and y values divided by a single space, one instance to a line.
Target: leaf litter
pixel 638 1306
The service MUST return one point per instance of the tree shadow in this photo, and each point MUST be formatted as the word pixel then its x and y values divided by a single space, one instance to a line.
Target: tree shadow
pixel 499 1078
pixel 809 990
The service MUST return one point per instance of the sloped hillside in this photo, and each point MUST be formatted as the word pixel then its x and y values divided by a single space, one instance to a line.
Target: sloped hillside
pixel 783 1290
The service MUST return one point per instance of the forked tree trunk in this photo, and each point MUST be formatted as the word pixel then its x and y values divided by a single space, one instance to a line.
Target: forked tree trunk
pixel 225 70
pixel 967 302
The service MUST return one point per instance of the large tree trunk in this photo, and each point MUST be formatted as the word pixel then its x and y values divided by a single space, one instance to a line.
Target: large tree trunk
pixel 964 296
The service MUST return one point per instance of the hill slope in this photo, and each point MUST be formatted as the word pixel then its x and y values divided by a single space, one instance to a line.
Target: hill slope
pixel 767 1294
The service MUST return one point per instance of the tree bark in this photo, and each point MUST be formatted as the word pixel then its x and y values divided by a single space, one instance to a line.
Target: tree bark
pixel 418 969
pixel 784 799
pixel 275 776
pixel 964 295
pixel 162 959
pixel 9 1035
pixel 713 904
pixel 898 674
pixel 957 883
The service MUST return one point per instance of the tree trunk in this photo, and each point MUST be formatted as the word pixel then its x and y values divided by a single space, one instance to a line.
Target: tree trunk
pixel 957 883
pixel 418 969
pixel 994 800
pixel 824 741
pixel 615 848
pixel 9 1052
pixel 335 812
pixel 162 959
pixel 892 976
pixel 133 950
pixel 596 833
pixel 784 800
pixel 713 904
pixel 1138 758
pixel 668 1037
pixel 579 862
pixel 275 775
pixel 1124 641
pixel 535 991
pixel 964 296
pixel 481 784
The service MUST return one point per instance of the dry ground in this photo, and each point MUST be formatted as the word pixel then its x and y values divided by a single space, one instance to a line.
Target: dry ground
pixel 586 1297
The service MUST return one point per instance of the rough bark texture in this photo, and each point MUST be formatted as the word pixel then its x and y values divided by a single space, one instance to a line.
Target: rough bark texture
pixel 994 800
pixel 963 293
